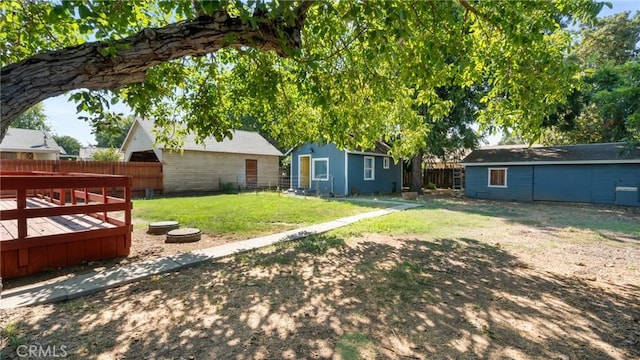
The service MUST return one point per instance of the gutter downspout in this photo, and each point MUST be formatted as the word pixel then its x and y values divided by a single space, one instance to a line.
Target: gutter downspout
pixel 346 173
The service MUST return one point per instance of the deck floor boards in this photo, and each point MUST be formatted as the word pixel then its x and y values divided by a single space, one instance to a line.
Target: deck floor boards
pixel 47 225
pixel 8 204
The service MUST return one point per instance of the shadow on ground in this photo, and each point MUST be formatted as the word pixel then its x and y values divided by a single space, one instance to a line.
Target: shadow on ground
pixel 602 219
pixel 380 296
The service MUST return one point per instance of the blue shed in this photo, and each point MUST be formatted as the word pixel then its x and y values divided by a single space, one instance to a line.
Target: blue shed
pixel 592 173
pixel 328 170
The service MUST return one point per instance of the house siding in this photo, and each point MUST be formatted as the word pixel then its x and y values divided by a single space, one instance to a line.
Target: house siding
pixel 386 180
pixel 519 184
pixel 335 183
pixel 571 183
pixel 205 171
pixel 46 156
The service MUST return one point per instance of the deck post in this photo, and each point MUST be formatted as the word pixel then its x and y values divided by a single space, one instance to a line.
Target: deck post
pixel 104 201
pixel 63 196
pixel 21 202
pixel 127 211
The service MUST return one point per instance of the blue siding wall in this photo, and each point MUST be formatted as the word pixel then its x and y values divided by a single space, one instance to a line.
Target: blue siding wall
pixel 587 183
pixel 335 183
pixel 562 183
pixel 384 178
pixel 607 177
pixel 572 183
pixel 519 185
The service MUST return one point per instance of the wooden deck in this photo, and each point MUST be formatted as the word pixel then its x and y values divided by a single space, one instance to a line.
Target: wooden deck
pixel 53 220
pixel 62 224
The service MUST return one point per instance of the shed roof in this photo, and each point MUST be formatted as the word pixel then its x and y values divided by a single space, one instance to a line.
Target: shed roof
pixel 380 148
pixel 243 142
pixel 570 154
pixel 27 140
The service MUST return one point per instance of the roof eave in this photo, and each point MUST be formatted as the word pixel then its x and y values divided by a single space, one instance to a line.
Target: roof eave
pixel 576 162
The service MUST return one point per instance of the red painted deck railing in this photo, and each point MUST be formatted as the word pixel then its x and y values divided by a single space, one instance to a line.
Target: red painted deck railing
pixel 72 194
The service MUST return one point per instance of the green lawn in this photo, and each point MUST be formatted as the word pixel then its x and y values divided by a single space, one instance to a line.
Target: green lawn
pixel 245 215
pixel 441 218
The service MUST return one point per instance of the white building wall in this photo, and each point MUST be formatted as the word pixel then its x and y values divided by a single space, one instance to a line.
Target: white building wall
pixel 205 171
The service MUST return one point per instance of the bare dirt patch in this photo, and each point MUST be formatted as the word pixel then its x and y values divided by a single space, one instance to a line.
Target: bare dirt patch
pixel 144 247
pixel 525 288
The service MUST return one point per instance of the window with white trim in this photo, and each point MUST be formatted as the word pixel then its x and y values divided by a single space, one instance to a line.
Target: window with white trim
pixel 320 169
pixel 385 163
pixel 369 168
pixel 497 177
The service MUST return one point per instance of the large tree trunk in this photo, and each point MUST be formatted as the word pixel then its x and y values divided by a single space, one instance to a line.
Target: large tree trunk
pixel 416 173
pixel 45 75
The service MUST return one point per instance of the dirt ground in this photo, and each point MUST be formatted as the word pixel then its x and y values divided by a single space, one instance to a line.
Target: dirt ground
pixel 143 247
pixel 521 288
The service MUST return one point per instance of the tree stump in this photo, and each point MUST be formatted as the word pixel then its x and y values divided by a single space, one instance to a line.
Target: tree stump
pixel 162 227
pixel 183 235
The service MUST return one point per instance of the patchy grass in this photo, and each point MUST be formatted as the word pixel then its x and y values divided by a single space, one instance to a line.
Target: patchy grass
pixel 245 215
pixel 12 335
pixel 431 221
pixel 449 281
pixel 355 346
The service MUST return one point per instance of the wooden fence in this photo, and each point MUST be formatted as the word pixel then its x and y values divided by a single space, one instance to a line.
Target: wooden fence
pixel 145 175
pixel 442 178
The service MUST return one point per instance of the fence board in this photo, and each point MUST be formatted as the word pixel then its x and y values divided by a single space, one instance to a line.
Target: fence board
pixel 442 178
pixel 144 175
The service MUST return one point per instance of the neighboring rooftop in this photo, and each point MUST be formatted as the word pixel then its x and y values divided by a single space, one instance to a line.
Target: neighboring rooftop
pixel 27 140
pixel 243 142
pixel 584 153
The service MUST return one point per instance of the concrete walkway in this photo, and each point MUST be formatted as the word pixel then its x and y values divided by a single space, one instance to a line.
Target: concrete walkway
pixel 95 281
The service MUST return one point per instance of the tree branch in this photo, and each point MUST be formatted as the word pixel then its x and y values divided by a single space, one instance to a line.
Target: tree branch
pixel 112 65
pixel 465 4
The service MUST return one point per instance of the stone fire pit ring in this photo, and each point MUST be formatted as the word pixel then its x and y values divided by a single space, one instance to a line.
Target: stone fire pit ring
pixel 183 235
pixel 162 227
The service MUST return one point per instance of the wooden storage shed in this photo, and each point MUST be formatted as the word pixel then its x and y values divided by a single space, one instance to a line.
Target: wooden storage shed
pixel 246 161
pixel 592 173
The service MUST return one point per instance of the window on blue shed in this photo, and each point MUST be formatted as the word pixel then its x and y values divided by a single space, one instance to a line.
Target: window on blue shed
pixel 498 177
pixel 320 169
pixel 369 168
pixel 385 163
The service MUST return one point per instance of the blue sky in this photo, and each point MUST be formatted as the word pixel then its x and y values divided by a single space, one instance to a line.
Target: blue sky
pixel 64 120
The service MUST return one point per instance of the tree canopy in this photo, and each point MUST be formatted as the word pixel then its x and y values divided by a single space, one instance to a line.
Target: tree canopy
pixel 34 119
pixel 611 40
pixel 70 144
pixel 113 136
pixel 607 108
pixel 349 72
pixel 110 154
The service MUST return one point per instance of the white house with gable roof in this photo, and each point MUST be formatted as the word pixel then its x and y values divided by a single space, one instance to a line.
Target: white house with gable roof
pixel 27 144
pixel 247 160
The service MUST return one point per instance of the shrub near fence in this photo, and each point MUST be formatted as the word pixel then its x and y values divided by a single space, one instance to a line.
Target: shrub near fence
pixel 145 175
